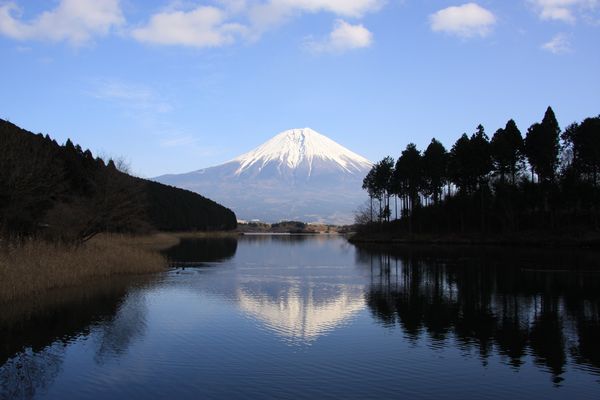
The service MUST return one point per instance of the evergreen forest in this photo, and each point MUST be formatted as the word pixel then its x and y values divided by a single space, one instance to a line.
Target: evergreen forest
pixel 543 180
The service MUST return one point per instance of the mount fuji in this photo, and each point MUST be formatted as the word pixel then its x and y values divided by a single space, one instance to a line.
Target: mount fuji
pixel 297 175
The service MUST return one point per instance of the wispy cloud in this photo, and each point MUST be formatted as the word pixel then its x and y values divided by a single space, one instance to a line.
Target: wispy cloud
pixel 343 37
pixel 264 15
pixel 467 20
pixel 178 141
pixel 150 112
pixel 354 8
pixel 559 44
pixel 563 10
pixel 73 21
pixel 126 95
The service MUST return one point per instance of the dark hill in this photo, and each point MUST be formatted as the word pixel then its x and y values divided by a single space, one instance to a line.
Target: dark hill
pixel 62 191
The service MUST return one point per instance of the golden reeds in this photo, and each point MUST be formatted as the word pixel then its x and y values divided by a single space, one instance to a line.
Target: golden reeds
pixel 36 266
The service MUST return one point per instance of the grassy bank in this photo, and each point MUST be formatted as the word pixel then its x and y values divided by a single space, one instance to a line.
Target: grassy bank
pixel 33 266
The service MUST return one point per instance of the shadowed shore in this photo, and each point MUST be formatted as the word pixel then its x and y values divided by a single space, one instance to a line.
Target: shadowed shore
pixel 525 239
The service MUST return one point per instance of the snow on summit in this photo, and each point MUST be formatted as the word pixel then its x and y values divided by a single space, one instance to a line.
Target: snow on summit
pixel 296 147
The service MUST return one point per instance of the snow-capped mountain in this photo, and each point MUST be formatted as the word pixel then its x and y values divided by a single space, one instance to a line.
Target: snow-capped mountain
pixel 297 175
pixel 298 149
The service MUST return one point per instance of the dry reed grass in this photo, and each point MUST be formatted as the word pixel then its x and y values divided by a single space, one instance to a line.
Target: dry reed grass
pixel 157 241
pixel 35 266
pixel 164 240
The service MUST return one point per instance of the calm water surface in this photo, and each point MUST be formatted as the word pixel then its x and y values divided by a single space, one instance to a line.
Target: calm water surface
pixel 315 317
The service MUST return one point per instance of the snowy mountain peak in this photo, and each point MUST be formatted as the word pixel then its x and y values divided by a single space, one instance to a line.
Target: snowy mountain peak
pixel 298 175
pixel 301 147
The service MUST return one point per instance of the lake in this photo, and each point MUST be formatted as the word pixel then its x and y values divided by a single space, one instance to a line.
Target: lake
pixel 316 317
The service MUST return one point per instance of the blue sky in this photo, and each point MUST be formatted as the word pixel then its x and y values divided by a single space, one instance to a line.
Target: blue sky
pixel 174 86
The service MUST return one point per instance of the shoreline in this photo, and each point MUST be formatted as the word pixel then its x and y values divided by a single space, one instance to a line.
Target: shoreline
pixel 529 239
pixel 37 268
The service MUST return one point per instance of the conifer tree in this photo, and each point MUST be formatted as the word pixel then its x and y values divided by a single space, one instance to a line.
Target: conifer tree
pixel 459 170
pixel 435 166
pixel 507 151
pixel 542 147
pixel 410 172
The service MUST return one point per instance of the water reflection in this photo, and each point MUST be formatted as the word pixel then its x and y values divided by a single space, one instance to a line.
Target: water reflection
pixel 301 313
pixel 35 333
pixel 294 286
pixel 315 317
pixel 491 300
pixel 201 251
pixel 126 326
pixel 29 373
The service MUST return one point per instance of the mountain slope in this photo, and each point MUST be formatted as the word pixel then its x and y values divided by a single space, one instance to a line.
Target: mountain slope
pixel 64 192
pixel 297 175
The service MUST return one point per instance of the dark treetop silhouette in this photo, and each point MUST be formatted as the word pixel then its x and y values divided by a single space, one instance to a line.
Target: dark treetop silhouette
pixel 545 182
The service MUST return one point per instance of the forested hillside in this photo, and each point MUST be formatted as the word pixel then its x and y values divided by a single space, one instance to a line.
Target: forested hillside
pixel 63 192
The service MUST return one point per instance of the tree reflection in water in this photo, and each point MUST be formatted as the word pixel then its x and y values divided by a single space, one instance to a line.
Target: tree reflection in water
pixel 29 372
pixel 201 251
pixel 492 301
pixel 35 333
pixel 128 324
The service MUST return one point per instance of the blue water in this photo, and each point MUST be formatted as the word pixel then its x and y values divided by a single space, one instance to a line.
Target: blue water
pixel 315 317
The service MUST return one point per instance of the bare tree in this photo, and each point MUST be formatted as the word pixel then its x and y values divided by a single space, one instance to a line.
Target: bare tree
pixel 364 214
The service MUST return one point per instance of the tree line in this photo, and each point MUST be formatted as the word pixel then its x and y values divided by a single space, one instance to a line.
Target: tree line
pixel 547 179
pixel 63 192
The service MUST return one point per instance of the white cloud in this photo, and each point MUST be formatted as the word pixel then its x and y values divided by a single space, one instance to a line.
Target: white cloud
pixel 466 21
pixel 342 38
pixel 559 44
pixel 265 15
pixel 74 21
pixel 203 26
pixel 214 26
pixel 181 22
pixel 562 10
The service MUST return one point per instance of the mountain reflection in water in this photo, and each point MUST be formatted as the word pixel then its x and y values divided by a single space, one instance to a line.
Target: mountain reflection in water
pixel 298 314
pixel 297 296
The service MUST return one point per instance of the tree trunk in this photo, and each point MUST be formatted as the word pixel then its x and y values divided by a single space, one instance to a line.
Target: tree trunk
pixel 482 209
